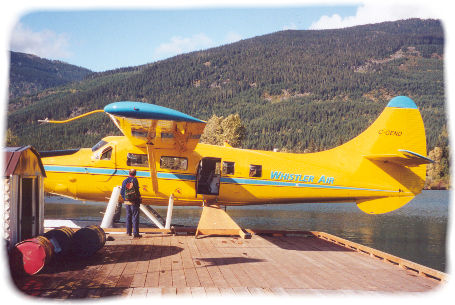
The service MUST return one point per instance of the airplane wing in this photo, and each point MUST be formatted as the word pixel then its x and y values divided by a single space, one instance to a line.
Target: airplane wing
pixel 157 126
pixel 402 157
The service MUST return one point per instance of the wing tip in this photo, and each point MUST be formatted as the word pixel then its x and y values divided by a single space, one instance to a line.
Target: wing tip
pixel 402 102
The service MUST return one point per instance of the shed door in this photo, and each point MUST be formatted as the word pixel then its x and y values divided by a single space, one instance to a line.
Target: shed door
pixel 28 211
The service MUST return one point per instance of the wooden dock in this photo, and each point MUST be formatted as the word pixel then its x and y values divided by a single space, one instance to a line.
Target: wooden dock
pixel 271 263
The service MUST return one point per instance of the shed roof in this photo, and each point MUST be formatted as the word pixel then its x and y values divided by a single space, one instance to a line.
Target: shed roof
pixel 23 160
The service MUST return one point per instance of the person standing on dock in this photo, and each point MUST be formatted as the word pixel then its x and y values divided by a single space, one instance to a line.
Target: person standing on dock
pixel 132 199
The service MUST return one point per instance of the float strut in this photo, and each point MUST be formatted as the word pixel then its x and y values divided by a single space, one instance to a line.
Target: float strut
pixel 151 216
pixel 108 219
pixel 170 207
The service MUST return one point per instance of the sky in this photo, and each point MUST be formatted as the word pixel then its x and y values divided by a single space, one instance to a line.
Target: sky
pixel 105 38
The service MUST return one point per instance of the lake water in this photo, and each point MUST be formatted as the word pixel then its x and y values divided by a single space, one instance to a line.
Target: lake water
pixel 417 231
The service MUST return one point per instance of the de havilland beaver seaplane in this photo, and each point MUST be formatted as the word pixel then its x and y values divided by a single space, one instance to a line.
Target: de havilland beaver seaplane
pixel 380 170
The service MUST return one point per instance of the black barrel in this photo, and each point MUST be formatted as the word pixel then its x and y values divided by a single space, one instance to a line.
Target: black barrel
pixel 88 240
pixel 61 238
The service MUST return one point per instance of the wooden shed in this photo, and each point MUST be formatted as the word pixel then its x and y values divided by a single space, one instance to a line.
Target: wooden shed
pixel 23 198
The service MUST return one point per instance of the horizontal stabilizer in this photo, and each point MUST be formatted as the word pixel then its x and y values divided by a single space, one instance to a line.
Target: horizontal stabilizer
pixel 382 205
pixel 402 157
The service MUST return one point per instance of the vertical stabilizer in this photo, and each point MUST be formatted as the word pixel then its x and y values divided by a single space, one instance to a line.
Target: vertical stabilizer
pixel 390 154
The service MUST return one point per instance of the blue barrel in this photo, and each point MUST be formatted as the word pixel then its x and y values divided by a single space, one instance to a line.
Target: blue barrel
pixel 88 240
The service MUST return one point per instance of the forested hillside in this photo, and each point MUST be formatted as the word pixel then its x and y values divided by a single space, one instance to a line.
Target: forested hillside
pixel 30 74
pixel 294 90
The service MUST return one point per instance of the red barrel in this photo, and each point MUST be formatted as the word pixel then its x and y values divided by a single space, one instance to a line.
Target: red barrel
pixel 61 239
pixel 33 254
pixel 88 240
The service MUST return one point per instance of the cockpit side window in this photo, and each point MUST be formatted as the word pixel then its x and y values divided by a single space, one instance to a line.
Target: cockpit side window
pixel 107 153
pixel 99 145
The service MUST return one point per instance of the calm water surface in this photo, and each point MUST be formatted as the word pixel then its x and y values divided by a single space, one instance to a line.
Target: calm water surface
pixel 416 232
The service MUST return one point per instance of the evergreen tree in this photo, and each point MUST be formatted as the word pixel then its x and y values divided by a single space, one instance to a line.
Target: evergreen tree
pixel 234 132
pixel 11 140
pixel 213 131
pixel 220 130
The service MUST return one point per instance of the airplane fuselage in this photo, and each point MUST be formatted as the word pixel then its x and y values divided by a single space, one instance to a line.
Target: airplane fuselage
pixel 233 176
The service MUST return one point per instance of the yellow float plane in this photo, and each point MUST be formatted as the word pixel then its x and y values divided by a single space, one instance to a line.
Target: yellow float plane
pixel 380 170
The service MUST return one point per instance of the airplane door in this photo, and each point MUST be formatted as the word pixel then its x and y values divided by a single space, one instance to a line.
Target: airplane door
pixel 106 159
pixel 208 176
pixel 103 166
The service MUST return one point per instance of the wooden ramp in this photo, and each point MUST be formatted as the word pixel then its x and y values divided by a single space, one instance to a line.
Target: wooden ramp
pixel 215 221
pixel 274 264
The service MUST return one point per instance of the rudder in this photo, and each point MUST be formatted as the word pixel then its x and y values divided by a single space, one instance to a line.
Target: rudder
pixel 390 154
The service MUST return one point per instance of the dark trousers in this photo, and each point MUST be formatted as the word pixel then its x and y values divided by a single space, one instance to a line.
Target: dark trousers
pixel 132 219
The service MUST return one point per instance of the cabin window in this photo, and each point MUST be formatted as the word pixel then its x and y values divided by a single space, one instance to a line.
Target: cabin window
pixel 167 135
pixel 99 145
pixel 176 163
pixel 106 154
pixel 139 133
pixel 228 168
pixel 255 170
pixel 137 160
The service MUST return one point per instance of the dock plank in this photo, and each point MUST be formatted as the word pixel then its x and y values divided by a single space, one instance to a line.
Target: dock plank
pixel 240 265
pixel 153 269
pixel 184 291
pixel 178 273
pixel 189 269
pixel 211 258
pixel 138 280
pixel 201 269
pixel 165 279
pixel 140 291
pixel 198 291
pixel 166 265
pixel 335 258
pixel 225 266
pixel 358 268
pixel 295 276
pixel 321 263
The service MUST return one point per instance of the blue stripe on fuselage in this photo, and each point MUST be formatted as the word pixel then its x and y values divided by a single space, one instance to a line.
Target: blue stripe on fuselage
pixel 281 183
pixel 114 172
pixel 189 177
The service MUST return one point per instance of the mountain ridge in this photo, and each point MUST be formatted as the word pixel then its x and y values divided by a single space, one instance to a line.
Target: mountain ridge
pixel 30 74
pixel 295 90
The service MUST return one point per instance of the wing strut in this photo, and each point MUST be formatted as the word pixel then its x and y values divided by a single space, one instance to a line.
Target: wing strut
pixel 152 168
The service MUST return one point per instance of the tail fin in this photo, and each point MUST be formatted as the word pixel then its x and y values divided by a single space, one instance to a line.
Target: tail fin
pixel 392 155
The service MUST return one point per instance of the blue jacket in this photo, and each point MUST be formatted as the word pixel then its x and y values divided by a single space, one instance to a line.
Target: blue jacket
pixel 135 184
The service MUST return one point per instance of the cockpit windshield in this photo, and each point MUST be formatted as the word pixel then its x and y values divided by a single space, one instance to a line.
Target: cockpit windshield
pixel 99 145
